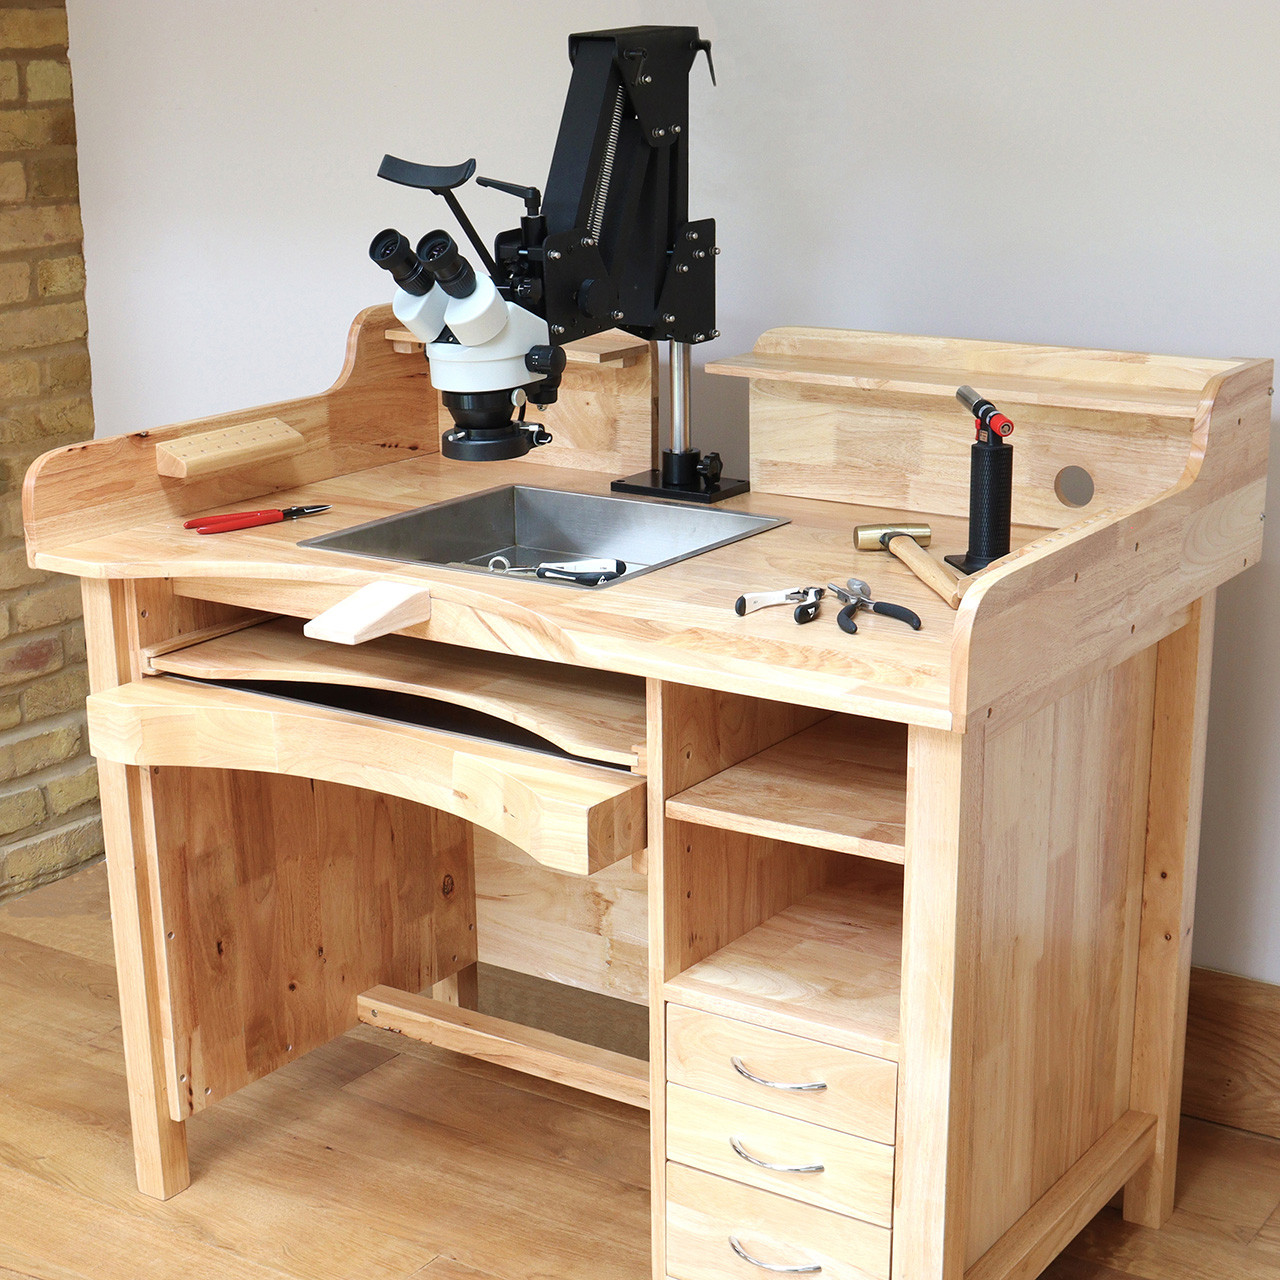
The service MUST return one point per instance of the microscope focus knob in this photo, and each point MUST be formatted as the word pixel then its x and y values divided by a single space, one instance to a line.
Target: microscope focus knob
pixel 545 360
pixel 597 298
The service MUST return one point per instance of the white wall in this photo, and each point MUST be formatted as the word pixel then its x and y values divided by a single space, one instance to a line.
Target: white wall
pixel 1077 173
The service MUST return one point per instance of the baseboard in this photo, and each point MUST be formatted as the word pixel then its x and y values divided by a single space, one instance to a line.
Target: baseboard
pixel 1232 1074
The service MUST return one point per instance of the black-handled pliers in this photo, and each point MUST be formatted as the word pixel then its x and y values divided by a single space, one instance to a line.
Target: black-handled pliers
pixel 806 601
pixel 858 595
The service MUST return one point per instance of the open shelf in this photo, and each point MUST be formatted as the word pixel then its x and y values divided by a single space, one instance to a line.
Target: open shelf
pixel 841 785
pixel 829 967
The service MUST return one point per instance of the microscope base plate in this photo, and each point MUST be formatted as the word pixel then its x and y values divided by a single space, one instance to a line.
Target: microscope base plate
pixel 649 484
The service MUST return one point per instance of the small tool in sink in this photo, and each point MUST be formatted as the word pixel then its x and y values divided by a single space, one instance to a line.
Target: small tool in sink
pixel 858 596
pixel 806 600
pixel 586 573
pixel 229 520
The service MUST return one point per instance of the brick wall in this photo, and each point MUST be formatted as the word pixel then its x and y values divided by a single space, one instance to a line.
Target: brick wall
pixel 48 788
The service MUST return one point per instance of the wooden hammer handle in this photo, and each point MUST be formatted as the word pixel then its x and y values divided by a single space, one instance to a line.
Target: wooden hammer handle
pixel 926 568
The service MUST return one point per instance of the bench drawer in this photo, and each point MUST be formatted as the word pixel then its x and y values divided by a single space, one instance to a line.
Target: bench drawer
pixel 705 1213
pixel 777 1072
pixel 820 1166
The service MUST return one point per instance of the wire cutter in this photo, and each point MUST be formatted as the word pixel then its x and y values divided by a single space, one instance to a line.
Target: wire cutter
pixel 806 600
pixel 248 519
pixel 859 594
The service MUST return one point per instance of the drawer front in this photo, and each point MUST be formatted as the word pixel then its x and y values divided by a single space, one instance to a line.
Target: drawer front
pixel 704 1213
pixel 721 1055
pixel 819 1166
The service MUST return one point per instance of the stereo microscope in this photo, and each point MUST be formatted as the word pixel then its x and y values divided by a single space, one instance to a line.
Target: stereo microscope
pixel 609 245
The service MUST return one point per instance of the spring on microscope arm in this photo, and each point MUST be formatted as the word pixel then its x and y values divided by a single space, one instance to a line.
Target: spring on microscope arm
pixel 595 221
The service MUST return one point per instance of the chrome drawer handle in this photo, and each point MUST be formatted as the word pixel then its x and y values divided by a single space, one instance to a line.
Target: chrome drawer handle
pixel 777 1168
pixel 811 1269
pixel 817 1087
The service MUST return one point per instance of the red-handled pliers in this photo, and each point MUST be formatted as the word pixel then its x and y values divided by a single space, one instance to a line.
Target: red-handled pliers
pixel 248 519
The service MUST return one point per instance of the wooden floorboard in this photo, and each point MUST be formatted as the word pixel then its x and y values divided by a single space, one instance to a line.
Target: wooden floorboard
pixel 445 1269
pixel 380 1159
pixel 71 914
pixel 1228 1183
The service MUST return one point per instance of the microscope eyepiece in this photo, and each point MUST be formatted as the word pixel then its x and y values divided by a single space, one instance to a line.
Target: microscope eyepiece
pixel 391 251
pixel 439 254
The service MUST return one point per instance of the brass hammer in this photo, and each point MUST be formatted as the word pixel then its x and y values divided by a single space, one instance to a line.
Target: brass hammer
pixel 907 542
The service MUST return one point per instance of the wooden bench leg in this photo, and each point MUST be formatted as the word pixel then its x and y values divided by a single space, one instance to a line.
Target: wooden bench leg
pixel 1168 904
pixel 159 1141
pixel 939 952
pixel 453 925
pixel 461 988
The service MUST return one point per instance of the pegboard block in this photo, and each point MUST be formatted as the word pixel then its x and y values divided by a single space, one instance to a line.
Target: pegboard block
pixel 264 440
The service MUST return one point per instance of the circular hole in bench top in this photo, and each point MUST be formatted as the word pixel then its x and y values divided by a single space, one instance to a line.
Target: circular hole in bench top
pixel 1073 486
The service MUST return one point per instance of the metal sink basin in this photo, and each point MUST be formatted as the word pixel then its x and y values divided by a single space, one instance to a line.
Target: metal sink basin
pixel 528 526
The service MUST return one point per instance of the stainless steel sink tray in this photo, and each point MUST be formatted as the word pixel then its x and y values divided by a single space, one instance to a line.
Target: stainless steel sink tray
pixel 529 525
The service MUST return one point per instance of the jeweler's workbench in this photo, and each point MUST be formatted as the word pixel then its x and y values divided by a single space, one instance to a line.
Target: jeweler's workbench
pixel 919 903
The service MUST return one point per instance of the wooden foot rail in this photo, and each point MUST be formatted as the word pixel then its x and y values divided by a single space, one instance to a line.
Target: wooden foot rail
pixel 508 1044
pixel 1066 1208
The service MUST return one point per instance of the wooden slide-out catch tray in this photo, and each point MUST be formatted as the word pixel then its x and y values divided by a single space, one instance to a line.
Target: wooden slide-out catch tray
pixel 598 716
pixel 564 812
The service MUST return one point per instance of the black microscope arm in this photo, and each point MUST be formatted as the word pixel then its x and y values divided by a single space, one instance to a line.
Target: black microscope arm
pixel 612 246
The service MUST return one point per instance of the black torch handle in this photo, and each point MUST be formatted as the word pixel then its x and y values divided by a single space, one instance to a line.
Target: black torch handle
pixel 990 502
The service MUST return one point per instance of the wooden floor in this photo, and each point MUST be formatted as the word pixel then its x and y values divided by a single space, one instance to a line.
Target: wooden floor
pixel 376 1158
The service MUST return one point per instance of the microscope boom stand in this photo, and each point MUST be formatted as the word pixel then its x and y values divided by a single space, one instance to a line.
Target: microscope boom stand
pixel 685 474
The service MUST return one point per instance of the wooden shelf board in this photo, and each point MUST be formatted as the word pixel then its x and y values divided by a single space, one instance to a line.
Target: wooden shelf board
pixel 1002 387
pixel 840 785
pixel 613 347
pixel 600 717
pixel 829 968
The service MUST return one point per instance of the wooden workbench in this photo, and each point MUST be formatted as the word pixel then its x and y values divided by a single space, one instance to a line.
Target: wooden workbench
pixel 947 875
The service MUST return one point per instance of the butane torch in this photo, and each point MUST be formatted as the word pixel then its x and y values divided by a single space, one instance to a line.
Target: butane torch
pixel 990 485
